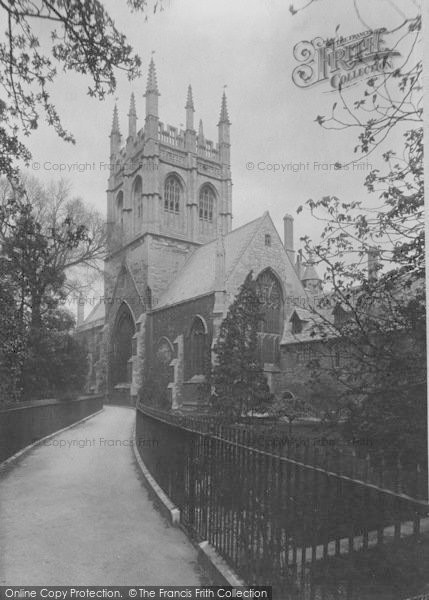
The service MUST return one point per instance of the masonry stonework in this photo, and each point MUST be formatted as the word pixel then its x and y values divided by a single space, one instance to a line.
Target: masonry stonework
pixel 174 263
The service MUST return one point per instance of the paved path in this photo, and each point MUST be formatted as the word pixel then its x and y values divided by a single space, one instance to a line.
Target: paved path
pixel 82 516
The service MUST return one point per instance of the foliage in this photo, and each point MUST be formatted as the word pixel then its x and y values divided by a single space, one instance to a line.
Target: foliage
pixel 387 571
pixel 56 363
pixel 291 407
pixel 373 259
pixel 154 391
pixel 43 234
pixel 238 382
pixel 83 38
pixel 12 341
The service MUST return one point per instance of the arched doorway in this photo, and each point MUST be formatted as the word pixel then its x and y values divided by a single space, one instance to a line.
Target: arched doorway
pixel 122 345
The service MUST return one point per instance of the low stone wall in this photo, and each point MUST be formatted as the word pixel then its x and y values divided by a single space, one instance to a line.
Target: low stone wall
pixel 121 396
pixel 26 423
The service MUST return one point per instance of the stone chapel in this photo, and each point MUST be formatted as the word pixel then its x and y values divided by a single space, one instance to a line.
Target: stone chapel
pixel 174 263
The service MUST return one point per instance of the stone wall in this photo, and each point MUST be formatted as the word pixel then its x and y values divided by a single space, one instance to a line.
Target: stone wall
pixel 28 422
pixel 259 256
pixel 171 326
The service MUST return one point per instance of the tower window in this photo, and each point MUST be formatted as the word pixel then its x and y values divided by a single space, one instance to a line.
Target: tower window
pixel 139 208
pixel 137 196
pixel 206 204
pixel 172 194
pixel 119 209
pixel 267 239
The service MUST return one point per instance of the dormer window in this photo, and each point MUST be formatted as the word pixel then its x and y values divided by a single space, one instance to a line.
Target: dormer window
pixel 296 324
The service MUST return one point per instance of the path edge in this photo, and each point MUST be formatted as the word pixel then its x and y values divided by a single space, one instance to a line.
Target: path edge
pixel 208 557
pixel 30 447
pixel 166 506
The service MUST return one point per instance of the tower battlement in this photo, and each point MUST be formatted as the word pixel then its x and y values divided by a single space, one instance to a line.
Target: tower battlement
pixel 168 180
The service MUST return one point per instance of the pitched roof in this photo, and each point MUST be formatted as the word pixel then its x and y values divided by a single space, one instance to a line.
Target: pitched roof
pixel 97 314
pixel 303 314
pixel 310 273
pixel 313 324
pixel 197 276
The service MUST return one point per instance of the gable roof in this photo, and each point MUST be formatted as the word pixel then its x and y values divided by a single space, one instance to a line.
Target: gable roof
pixel 197 276
pixel 313 324
pixel 95 318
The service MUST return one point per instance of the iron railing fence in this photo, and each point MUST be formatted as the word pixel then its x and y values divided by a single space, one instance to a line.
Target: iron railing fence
pixel 408 478
pixel 268 515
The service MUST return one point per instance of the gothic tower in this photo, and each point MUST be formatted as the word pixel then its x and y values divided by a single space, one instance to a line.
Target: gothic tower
pixel 169 191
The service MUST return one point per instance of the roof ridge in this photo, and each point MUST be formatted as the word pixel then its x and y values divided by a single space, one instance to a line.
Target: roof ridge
pixel 235 246
pixel 248 223
pixel 260 219
pixel 91 313
pixel 231 232
pixel 212 242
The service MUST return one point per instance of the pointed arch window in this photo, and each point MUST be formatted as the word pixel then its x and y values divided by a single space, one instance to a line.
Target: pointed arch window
pixel 206 204
pixel 271 295
pixel 137 196
pixel 172 194
pixel 120 209
pixel 123 332
pixel 197 348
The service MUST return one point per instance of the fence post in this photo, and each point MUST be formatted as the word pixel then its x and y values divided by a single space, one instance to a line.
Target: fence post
pixel 367 467
pixel 398 478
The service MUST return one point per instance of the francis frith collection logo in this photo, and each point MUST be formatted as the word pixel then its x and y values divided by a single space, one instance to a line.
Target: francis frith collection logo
pixel 341 61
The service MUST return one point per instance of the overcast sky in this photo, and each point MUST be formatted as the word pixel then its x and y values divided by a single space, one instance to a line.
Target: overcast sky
pixel 248 46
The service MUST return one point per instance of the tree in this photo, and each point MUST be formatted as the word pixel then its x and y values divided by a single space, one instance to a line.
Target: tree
pixel 58 366
pixel 290 407
pixel 373 258
pixel 12 340
pixel 83 38
pixel 45 234
pixel 237 379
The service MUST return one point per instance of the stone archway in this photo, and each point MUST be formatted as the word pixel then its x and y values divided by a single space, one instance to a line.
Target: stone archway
pixel 122 346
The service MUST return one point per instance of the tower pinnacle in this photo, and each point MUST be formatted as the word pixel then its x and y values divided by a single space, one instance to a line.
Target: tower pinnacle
pixel 132 106
pixel 224 132
pixel 115 122
pixel 189 106
pixel 132 117
pixel 115 134
pixel 189 99
pixel 152 84
pixel 224 117
pixel 151 96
